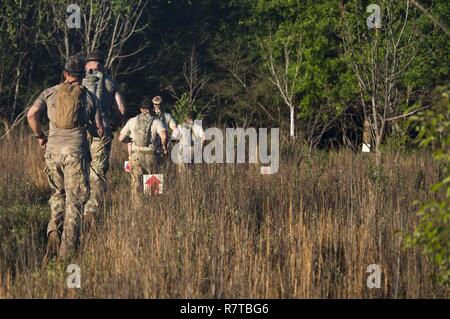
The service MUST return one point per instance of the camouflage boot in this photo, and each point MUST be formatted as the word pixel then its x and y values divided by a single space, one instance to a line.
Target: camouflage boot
pixel 53 244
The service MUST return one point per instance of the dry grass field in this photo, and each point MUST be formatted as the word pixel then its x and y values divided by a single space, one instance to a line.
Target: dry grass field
pixel 225 231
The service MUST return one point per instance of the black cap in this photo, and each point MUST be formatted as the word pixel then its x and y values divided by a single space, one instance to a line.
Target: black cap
pixel 192 115
pixel 146 104
pixel 96 55
pixel 75 65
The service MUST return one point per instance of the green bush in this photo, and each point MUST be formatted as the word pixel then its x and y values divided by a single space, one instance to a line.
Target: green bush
pixel 433 231
pixel 22 233
pixel 183 107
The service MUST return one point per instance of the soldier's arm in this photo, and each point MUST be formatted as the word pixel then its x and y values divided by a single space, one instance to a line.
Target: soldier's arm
pixel 125 134
pixel 120 103
pixel 164 140
pixel 33 117
pixel 162 131
pixel 112 87
pixel 124 137
pixel 174 127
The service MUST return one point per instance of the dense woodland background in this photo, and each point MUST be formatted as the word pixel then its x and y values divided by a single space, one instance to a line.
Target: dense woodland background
pixel 242 63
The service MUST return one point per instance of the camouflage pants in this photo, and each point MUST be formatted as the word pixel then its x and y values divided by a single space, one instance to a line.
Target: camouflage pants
pixel 68 178
pixel 100 152
pixel 141 164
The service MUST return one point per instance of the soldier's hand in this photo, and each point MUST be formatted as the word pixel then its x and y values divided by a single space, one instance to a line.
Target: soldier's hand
pixel 100 131
pixel 125 139
pixel 43 141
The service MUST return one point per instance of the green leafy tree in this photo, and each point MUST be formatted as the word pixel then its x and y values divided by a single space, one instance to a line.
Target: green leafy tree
pixel 323 86
pixel 433 231
pixel 382 58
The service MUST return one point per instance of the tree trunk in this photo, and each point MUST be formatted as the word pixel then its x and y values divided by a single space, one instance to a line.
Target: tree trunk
pixel 378 140
pixel 292 131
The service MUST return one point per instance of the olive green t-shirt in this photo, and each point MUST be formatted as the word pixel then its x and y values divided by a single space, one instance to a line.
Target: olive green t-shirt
pixel 67 140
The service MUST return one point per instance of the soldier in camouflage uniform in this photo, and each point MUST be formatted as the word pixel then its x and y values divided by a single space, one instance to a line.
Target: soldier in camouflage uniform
pixel 66 156
pixel 146 137
pixel 168 121
pixel 101 147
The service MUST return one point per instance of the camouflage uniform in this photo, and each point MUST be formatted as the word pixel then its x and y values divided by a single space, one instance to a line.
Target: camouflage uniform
pixel 68 178
pixel 142 163
pixel 143 160
pixel 100 153
pixel 101 150
pixel 67 160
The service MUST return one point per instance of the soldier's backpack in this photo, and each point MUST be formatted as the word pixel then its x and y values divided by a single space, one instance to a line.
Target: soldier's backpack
pixel 68 106
pixel 143 133
pixel 94 82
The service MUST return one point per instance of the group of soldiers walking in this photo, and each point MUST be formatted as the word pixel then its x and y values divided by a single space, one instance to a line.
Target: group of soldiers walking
pixel 83 113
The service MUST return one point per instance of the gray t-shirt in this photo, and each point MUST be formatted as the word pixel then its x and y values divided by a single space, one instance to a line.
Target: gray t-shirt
pixel 109 94
pixel 167 120
pixel 67 141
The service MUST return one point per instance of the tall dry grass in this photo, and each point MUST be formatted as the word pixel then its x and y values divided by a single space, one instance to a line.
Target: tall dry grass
pixel 224 231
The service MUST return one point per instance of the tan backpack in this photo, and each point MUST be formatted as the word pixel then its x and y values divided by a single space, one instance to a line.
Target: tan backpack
pixel 68 106
pixel 143 133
